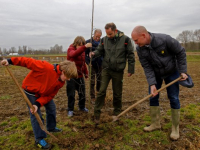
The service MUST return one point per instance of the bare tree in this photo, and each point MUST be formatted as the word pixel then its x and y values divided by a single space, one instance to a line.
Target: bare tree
pixel 56 49
pixel 30 50
pixel 13 50
pixel 197 38
pixel 5 51
pixel 185 37
pixel 197 35
pixel 25 49
pixel 20 50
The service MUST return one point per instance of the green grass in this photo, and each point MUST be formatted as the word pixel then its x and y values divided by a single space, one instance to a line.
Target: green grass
pixel 25 125
pixel 167 125
pixel 129 134
pixel 196 128
pixel 192 111
pixel 193 58
pixel 77 123
pixel 4 123
pixel 89 122
pixel 5 97
pixel 190 50
pixel 14 119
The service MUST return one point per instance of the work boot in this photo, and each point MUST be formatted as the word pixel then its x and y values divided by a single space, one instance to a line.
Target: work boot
pixel 155 119
pixel 175 113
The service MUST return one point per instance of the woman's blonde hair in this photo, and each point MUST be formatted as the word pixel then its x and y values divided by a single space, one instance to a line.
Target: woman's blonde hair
pixel 69 69
pixel 78 41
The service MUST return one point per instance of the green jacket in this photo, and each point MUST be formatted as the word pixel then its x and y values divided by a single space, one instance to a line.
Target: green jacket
pixel 116 52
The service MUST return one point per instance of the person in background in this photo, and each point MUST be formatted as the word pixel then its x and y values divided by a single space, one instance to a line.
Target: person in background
pixel 40 86
pixel 96 64
pixel 162 58
pixel 116 48
pixel 76 53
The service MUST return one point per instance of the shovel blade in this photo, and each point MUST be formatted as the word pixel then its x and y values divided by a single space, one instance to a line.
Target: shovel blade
pixel 115 118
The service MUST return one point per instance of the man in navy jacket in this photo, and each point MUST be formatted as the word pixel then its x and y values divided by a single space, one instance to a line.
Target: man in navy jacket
pixel 162 58
pixel 96 64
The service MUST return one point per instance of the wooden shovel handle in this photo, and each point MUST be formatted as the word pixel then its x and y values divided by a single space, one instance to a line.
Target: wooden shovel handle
pixel 140 101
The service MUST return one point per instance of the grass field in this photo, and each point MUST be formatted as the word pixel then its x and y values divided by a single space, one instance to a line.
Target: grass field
pixel 80 132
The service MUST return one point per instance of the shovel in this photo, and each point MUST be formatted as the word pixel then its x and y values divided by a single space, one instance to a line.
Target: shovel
pixel 115 118
pixel 31 106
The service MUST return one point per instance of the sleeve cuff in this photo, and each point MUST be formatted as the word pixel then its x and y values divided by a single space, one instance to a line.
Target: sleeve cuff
pixel 37 104
pixel 9 61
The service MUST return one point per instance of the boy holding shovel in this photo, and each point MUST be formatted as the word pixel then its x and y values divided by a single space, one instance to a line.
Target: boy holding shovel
pixel 41 85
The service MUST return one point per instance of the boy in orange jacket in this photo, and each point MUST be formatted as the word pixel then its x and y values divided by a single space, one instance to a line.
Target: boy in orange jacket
pixel 41 85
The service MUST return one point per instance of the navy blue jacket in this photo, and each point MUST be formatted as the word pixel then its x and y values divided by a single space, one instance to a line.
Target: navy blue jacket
pixel 162 57
pixel 96 61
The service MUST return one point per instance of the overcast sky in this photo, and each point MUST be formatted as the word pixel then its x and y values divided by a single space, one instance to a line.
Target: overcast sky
pixel 43 23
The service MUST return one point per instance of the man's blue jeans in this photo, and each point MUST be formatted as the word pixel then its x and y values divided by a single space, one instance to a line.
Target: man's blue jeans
pixel 50 108
pixel 172 91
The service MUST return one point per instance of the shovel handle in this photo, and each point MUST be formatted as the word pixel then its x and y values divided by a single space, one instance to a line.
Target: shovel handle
pixel 30 105
pixel 140 101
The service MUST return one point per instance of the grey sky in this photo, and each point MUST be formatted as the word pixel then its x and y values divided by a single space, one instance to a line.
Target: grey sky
pixel 44 23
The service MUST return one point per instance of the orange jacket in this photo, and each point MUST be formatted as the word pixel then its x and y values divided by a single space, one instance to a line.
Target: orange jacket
pixel 43 79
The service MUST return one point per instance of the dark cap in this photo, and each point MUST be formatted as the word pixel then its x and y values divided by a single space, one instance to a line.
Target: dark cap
pixel 187 83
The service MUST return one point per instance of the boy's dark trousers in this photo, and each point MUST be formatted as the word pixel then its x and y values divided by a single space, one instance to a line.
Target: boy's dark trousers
pixel 74 85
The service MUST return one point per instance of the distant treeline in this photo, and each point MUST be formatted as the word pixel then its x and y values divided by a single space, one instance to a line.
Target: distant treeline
pixel 24 50
pixel 190 40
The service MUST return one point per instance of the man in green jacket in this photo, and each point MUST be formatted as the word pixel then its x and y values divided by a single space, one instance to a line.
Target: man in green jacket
pixel 116 48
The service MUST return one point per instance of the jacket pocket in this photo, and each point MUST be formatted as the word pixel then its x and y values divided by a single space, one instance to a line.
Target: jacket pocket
pixel 121 64
pixel 170 65
pixel 105 63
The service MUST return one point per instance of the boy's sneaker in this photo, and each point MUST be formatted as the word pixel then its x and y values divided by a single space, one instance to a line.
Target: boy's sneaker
pixel 70 113
pixel 55 130
pixel 84 109
pixel 42 144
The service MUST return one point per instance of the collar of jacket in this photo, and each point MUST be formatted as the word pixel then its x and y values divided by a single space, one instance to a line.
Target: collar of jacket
pixel 119 34
pixel 151 38
pixel 58 69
